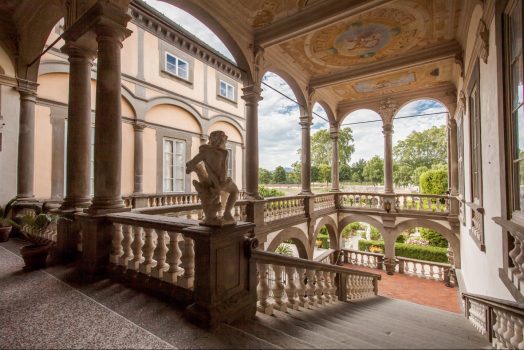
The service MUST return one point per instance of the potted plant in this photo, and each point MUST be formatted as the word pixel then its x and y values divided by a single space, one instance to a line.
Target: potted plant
pixel 6 224
pixel 33 229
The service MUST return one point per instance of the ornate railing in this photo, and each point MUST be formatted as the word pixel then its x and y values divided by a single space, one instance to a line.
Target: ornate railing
pixel 513 274
pixel 287 282
pixel 424 269
pixel 368 259
pixel 422 202
pixel 278 208
pixel 501 321
pixel 154 247
pixel 325 201
pixel 165 199
pixel 361 200
pixel 193 211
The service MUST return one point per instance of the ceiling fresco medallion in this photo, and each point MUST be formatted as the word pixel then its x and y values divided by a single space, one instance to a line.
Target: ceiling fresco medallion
pixel 376 34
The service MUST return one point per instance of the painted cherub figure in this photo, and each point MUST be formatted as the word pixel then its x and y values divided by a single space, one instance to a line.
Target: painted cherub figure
pixel 213 185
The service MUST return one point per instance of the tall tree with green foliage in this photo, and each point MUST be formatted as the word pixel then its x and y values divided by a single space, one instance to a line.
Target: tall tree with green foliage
pixel 294 176
pixel 357 171
pixel 422 148
pixel 264 176
pixel 315 173
pixel 345 172
pixel 321 147
pixel 324 173
pixel 434 181
pixel 374 170
pixel 279 175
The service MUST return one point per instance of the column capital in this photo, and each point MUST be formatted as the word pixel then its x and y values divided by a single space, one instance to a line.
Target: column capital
pixel 452 124
pixel 252 94
pixel 111 31
pixel 305 122
pixel 387 110
pixel 387 128
pixel 76 51
pixel 139 126
pixel 26 88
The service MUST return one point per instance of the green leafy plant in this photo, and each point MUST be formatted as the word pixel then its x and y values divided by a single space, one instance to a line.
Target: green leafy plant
pixel 270 192
pixel 426 253
pixel 33 226
pixel 284 249
pixel 434 238
pixel 4 220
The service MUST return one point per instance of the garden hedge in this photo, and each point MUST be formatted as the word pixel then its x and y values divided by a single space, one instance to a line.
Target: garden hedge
pixel 411 251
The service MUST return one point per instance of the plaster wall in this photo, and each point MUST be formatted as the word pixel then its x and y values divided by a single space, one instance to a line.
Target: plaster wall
pixel 150 166
pixel 231 131
pixel 238 167
pixel 129 52
pixel 480 269
pixel 173 116
pixel 10 111
pixel 236 107
pixel 43 152
pixel 128 158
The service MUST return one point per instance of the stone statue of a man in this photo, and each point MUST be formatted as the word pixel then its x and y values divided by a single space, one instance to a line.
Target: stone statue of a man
pixel 213 185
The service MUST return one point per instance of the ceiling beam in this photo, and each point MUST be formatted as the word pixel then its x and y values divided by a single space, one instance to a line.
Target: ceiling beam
pixel 409 60
pixel 312 18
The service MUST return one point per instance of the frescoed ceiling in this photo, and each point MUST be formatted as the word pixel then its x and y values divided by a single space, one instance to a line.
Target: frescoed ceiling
pixel 263 13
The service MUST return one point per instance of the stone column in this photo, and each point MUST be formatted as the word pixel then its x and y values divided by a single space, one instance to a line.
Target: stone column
pixel 26 140
pixel 78 127
pixel 243 187
pixel 387 130
pixel 453 157
pixel 58 116
pixel 305 124
pixel 252 97
pixel 334 160
pixel 139 157
pixel 108 122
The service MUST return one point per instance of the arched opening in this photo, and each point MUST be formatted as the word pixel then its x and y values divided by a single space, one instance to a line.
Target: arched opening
pixel 420 148
pixel 279 138
pixel 287 237
pixel 325 238
pixel 365 171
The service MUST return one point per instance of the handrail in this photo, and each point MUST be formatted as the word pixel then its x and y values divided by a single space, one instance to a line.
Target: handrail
pixel 158 222
pixel 423 261
pixel 362 252
pixel 511 306
pixel 324 255
pixel 273 258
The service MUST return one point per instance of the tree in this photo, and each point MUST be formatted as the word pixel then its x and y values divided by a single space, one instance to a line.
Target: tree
pixel 434 238
pixel 357 171
pixel 295 175
pixel 315 173
pixel 402 175
pixel 422 148
pixel 344 172
pixel 279 175
pixel 434 181
pixel 321 147
pixel 324 173
pixel 415 177
pixel 264 176
pixel 374 170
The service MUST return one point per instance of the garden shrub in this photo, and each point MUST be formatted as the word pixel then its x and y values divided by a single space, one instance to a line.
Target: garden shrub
pixel 427 253
pixel 375 234
pixel 324 238
pixel 434 238
pixel 270 192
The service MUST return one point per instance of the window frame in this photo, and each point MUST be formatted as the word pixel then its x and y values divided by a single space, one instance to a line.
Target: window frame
pixel 227 85
pixel 177 60
pixel 175 142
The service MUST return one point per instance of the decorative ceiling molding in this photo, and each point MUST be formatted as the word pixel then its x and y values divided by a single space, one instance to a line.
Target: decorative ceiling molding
pixel 312 18
pixel 417 58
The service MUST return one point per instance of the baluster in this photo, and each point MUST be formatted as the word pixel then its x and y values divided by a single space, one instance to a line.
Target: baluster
pixel 137 249
pixel 126 245
pixel 148 250
pixel 516 338
pixel 291 288
pixel 173 259
pixel 521 327
pixel 508 333
pixel 116 244
pixel 350 285
pixel 515 270
pixel 188 264
pixel 301 289
pixel 311 287
pixel 501 321
pixel 334 290
pixel 327 287
pixel 160 255
pixel 319 288
pixel 263 305
pixel 278 289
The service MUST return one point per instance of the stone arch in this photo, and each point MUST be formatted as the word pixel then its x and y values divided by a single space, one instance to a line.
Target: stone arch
pixel 361 218
pixel 292 83
pixel 127 105
pixel 241 57
pixel 447 233
pixel 351 110
pixel 164 100
pixel 333 232
pixel 229 120
pixel 418 98
pixel 297 236
pixel 327 109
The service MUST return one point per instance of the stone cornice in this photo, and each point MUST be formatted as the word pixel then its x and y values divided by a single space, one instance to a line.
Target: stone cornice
pixel 8 81
pixel 423 56
pixel 312 18
pixel 167 30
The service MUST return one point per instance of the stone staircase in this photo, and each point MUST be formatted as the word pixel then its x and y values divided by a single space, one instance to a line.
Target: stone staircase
pixel 127 314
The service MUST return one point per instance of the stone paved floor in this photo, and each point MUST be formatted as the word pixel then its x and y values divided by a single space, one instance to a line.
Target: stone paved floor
pixel 417 290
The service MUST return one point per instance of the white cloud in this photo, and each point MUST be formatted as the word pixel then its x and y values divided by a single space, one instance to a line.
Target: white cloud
pixel 192 25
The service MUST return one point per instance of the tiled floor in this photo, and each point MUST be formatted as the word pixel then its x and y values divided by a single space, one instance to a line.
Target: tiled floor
pixel 417 290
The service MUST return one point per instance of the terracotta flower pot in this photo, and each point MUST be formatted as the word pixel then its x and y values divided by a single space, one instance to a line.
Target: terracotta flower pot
pixel 35 255
pixel 4 233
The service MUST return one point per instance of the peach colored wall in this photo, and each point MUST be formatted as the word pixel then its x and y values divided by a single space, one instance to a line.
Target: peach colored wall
pixel 150 166
pixel 54 87
pixel 195 145
pixel 152 71
pixel 213 100
pixel 173 116
pixel 43 144
pixel 128 158
pixel 129 52
pixel 6 63
pixel 238 166
pixel 127 110
pixel 230 130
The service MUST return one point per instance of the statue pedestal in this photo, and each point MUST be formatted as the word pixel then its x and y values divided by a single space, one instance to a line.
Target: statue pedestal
pixel 225 281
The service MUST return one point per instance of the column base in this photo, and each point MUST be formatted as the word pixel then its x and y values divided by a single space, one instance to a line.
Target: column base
pixel 334 190
pixel 305 193
pixel 68 235
pixel 254 197
pixel 102 206
pixel 74 204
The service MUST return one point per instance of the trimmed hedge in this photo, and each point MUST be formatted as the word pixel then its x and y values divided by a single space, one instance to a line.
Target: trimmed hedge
pixel 324 238
pixel 411 251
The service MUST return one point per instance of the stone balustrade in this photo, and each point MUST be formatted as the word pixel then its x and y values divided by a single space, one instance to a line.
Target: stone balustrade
pixel 154 200
pixel 424 269
pixel 368 259
pixel 278 208
pixel 361 200
pixel 153 246
pixel 422 202
pixel 501 321
pixel 288 282
pixel 325 201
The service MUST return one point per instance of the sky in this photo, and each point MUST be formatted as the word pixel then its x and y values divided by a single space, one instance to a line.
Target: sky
pixel 278 124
